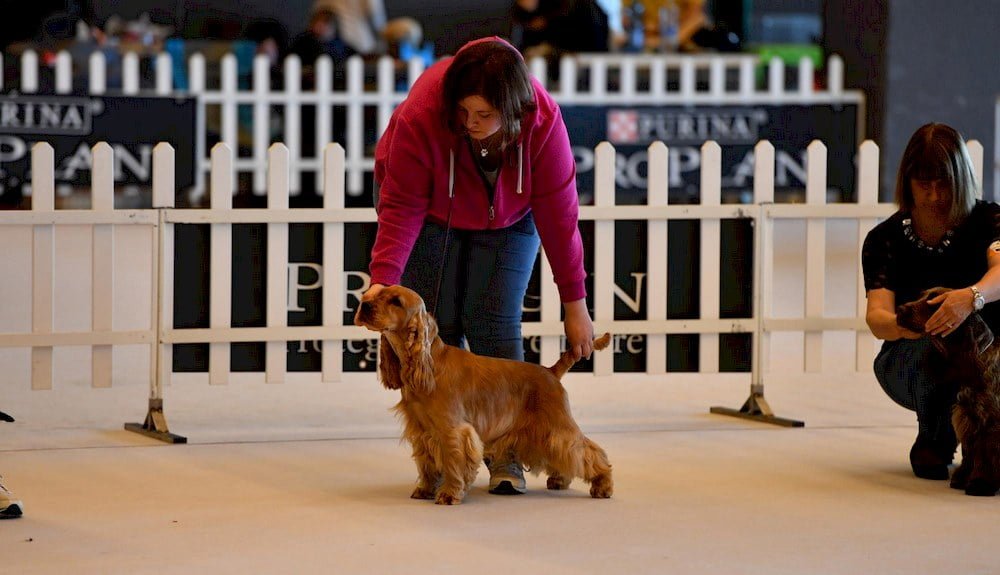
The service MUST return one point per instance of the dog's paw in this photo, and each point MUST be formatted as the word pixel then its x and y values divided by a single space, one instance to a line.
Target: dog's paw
pixel 980 487
pixel 601 488
pixel 422 493
pixel 447 499
pixel 557 482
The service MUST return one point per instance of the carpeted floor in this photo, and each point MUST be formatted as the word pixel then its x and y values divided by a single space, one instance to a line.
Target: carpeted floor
pixel 305 477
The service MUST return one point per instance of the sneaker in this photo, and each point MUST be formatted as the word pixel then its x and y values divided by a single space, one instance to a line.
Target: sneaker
pixel 506 477
pixel 10 505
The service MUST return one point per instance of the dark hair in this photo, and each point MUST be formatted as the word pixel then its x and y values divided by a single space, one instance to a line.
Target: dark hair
pixel 496 72
pixel 938 152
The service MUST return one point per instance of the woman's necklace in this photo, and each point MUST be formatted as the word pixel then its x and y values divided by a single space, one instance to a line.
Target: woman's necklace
pixel 914 238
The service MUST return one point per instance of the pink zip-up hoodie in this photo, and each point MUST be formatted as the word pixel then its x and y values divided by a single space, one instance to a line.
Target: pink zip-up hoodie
pixel 414 170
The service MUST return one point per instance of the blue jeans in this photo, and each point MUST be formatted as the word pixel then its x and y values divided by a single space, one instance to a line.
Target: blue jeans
pixel 483 282
pixel 904 372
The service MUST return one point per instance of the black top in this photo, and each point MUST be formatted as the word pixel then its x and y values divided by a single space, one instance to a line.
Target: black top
pixel 894 258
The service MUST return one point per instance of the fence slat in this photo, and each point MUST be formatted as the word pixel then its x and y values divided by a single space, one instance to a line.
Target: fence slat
pixel 42 261
pixel 261 121
pixel 130 73
pixel 763 193
pixel 604 249
pixel 277 262
pixel 103 263
pixel 657 249
pixel 221 263
pixel 711 250
pixel 868 156
pixel 164 190
pixel 334 286
pixel 815 253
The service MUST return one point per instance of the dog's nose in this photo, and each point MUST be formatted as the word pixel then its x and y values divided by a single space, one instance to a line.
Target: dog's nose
pixel 364 310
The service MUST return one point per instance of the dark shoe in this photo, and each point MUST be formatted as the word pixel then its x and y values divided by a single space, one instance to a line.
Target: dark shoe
pixel 930 460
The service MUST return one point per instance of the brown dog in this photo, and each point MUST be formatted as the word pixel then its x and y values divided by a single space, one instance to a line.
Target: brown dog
pixel 457 405
pixel 971 365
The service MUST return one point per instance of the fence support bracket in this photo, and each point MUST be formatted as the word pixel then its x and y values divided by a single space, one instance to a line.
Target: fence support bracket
pixel 155 425
pixel 757 409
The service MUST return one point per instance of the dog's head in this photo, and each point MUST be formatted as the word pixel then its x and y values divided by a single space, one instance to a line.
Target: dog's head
pixel 914 315
pixel 408 333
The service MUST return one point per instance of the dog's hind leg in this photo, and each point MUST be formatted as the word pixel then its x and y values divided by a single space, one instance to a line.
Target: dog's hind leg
pixel 984 477
pixel 461 454
pixel 557 480
pixel 597 470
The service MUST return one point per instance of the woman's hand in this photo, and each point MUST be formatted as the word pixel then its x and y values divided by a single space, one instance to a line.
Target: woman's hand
pixel 953 309
pixel 371 292
pixel 579 329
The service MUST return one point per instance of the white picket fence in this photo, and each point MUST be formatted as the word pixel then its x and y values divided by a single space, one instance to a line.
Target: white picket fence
pixel 46 224
pixel 629 80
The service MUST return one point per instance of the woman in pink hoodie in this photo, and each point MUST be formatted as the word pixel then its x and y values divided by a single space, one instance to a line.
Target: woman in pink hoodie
pixel 473 169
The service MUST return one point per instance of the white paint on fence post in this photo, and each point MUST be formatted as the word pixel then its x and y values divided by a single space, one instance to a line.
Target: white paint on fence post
pixel 806 73
pixel 164 191
pixel 658 76
pixel 196 74
pixel 164 74
pixel 414 68
pixel 103 262
pixel 221 263
pixel 776 78
pixel 98 66
pixel 551 308
pixel 711 238
pixel 815 254
pixel 867 192
pixel 688 78
pixel 763 194
pixel 334 288
pixel 604 250
pixel 539 69
pixel 717 82
pixel 228 107
pixel 64 73
pixel 748 79
pixel 386 86
pixel 277 262
pixel 627 83
pixel 324 107
pixel 657 194
pixel 43 193
pixel 130 73
pixel 261 121
pixel 293 118
pixel 355 145
pixel 29 72
pixel 835 76
pixel 567 78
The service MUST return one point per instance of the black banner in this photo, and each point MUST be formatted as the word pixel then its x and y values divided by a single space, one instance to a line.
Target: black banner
pixel 72 125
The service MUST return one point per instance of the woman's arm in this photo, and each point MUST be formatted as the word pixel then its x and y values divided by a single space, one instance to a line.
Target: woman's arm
pixel 881 316
pixel 958 304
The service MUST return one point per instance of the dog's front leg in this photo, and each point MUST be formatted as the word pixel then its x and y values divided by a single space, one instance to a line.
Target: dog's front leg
pixel 429 475
pixel 461 452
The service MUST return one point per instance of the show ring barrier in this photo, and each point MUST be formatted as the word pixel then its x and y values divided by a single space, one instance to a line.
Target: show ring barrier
pixel 45 223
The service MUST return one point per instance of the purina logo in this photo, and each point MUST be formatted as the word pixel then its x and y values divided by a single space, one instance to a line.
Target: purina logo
pixel 690 126
pixel 623 126
pixel 57 116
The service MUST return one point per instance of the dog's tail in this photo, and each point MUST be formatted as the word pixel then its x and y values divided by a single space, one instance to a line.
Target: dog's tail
pixel 566 361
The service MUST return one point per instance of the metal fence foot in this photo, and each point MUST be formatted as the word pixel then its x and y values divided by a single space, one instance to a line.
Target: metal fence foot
pixel 757 409
pixel 155 425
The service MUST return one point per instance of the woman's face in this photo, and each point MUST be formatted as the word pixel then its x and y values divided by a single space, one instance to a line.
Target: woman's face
pixel 480 119
pixel 931 197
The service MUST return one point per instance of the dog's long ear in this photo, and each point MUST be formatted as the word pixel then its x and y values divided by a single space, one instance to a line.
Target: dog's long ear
pixel 419 371
pixel 389 368
pixel 982 335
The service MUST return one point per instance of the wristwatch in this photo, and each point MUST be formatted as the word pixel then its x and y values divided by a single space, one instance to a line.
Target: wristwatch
pixel 978 301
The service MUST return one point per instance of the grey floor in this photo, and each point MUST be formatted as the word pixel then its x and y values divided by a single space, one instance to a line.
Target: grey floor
pixel 306 477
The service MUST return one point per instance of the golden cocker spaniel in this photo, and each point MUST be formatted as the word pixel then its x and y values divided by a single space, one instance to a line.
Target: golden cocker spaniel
pixel 457 405
pixel 969 364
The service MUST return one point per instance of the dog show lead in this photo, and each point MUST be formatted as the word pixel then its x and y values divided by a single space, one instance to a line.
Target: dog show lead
pixel 941 235
pixel 472 173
